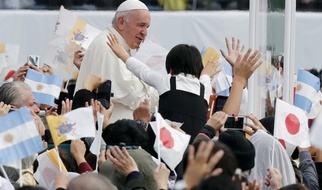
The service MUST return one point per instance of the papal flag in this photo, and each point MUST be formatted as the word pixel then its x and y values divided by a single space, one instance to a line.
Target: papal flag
pixel 72 125
pixel 71 34
pixel 48 168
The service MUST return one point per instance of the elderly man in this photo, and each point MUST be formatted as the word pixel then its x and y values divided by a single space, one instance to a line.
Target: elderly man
pixel 18 94
pixel 130 24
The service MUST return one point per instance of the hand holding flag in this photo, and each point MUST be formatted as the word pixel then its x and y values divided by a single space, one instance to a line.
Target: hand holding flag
pixel 45 88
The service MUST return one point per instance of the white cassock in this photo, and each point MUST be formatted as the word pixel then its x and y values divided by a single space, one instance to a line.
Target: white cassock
pixel 128 90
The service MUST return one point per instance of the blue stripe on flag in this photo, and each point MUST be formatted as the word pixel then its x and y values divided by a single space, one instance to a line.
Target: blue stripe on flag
pixel 224 93
pixel 21 150
pixel 308 78
pixel 228 69
pixel 43 98
pixel 303 102
pixel 47 79
pixel 15 118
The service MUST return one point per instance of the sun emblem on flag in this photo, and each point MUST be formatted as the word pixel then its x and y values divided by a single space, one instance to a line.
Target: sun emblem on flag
pixel 8 138
pixel 39 87
pixel 298 87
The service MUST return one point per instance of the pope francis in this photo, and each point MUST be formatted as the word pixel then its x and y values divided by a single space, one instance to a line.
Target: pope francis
pixel 130 24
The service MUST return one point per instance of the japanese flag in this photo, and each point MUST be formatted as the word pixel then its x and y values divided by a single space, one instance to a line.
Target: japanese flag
pixel 316 132
pixel 291 124
pixel 170 143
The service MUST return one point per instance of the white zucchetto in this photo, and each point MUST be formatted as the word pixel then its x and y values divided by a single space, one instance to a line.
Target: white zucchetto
pixel 131 5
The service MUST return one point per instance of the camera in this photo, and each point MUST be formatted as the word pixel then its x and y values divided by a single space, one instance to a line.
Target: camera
pixel 235 122
pixel 104 93
pixel 33 60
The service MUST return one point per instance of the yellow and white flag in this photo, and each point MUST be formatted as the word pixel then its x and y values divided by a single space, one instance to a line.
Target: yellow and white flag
pixel 71 34
pixel 73 125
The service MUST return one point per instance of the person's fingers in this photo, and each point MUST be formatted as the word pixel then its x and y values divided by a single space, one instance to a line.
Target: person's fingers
pixel 205 154
pixel 191 154
pixel 227 44
pixel 125 152
pixel 247 54
pixel 233 45
pixel 116 153
pixel 63 107
pixel 215 158
pixel 217 172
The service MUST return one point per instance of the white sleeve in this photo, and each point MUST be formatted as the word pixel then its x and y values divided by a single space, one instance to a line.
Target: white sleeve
pixel 205 80
pixel 145 73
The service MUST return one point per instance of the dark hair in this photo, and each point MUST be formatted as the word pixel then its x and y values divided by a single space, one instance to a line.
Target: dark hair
pixel 125 131
pixel 31 188
pixel 227 163
pixel 185 59
pixel 220 182
pixel 295 186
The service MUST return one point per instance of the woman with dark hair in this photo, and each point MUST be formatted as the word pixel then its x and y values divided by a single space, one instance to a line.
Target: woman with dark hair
pixel 184 91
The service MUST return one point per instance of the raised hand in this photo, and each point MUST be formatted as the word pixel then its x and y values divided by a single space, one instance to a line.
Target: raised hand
pixel 246 65
pixel 200 165
pixel 211 68
pixel 233 51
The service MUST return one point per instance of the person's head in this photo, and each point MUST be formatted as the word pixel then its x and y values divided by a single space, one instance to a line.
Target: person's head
pixel 243 149
pixel 295 186
pixel 126 131
pixel 91 181
pixel 185 59
pixel 18 94
pixel 31 188
pixel 227 163
pixel 132 20
pixel 220 182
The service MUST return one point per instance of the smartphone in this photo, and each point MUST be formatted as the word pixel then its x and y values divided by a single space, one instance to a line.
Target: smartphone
pixel 216 103
pixel 104 93
pixel 235 123
pixel 33 60
pixel 220 103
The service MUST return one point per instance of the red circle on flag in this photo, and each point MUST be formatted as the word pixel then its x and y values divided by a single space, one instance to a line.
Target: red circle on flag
pixel 282 142
pixel 166 138
pixel 9 75
pixel 292 124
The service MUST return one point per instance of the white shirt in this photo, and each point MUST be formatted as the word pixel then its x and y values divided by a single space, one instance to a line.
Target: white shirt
pixel 161 82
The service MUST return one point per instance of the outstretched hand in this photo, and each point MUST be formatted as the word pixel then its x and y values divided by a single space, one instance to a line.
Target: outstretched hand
pixel 246 65
pixel 233 51
pixel 117 47
pixel 200 165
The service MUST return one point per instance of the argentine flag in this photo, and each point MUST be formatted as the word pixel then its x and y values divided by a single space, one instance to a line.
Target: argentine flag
pixel 45 88
pixel 19 136
pixel 307 87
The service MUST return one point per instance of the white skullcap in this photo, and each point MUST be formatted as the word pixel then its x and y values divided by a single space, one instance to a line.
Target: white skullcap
pixel 131 5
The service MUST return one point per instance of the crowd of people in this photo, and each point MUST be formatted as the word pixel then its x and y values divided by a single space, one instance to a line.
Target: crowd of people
pixel 215 159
